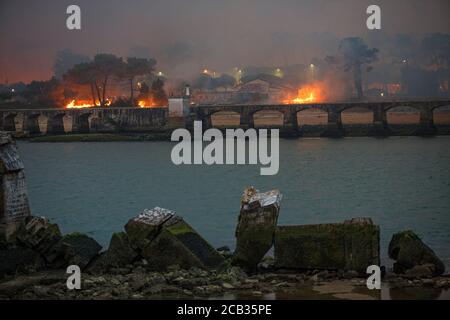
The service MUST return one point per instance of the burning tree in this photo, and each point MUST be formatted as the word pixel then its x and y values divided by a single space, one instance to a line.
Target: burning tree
pixel 136 67
pixel 106 66
pixel 436 52
pixel 355 54
pixel 85 74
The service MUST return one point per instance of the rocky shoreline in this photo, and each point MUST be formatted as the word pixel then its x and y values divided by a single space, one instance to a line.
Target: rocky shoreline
pixel 138 282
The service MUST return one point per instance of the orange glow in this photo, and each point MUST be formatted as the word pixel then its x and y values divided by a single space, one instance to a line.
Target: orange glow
pixel 146 104
pixel 80 104
pixel 312 93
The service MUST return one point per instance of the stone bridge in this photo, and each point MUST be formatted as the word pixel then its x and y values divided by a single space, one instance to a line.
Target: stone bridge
pixel 58 121
pixel 333 110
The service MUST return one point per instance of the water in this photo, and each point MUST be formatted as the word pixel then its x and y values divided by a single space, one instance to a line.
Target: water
pixel 400 182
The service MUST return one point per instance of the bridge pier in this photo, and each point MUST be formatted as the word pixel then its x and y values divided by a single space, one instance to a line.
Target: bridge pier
pixel 80 123
pixel 55 124
pixel 206 122
pixel 334 125
pixel 426 125
pixel 31 124
pixel 246 120
pixel 9 122
pixel 380 124
pixel 290 123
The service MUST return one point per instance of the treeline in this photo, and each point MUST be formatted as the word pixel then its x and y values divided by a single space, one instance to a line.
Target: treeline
pixel 93 78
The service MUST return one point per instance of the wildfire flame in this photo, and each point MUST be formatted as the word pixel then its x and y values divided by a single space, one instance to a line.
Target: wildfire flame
pixel 307 94
pixel 145 104
pixel 84 104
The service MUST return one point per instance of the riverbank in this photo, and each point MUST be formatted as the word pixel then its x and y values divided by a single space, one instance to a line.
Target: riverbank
pixel 165 135
pixel 137 282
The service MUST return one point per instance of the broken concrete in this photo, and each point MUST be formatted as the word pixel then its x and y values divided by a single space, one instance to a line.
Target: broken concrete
pixel 352 245
pixel 14 205
pixel 256 226
pixel 39 234
pixel 163 239
pixel 409 252
pixel 73 249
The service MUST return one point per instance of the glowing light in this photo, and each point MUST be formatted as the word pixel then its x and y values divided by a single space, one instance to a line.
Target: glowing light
pixel 145 104
pixel 312 65
pixel 307 94
pixel 84 104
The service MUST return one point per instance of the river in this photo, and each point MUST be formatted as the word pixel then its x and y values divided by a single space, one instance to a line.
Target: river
pixel 400 182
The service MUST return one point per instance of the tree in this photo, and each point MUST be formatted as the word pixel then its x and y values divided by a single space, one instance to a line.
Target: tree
pixel 46 93
pixel 436 52
pixel 85 74
pixel 106 66
pixel 355 54
pixel 136 67
pixel 157 93
pixel 65 60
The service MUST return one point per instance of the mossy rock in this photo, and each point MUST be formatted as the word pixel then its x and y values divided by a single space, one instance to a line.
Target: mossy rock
pixel 408 250
pixel 349 246
pixel 254 235
pixel 73 249
pixel 194 242
pixel 166 250
pixel 120 253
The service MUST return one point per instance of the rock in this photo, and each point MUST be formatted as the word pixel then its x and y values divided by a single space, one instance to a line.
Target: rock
pixel 142 229
pixel 256 226
pixel 19 259
pixel 227 286
pixel 352 245
pixel 74 249
pixel 165 239
pixel 120 252
pixel 166 250
pixel 138 282
pixel 350 274
pixel 422 271
pixel 39 234
pixel 409 251
pixel 267 263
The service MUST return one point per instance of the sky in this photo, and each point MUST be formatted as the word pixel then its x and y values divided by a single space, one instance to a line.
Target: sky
pixel 186 36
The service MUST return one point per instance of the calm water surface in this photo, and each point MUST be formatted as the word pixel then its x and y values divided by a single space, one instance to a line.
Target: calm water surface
pixel 400 182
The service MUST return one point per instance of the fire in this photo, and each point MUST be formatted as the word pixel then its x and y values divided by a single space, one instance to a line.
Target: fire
pixel 78 105
pixel 84 104
pixel 307 94
pixel 145 104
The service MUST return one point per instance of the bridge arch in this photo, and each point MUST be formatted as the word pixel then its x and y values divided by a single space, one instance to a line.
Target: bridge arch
pixel 268 118
pixel 312 116
pixel 357 115
pixel 226 119
pixel 9 122
pixel 441 115
pixel 407 115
